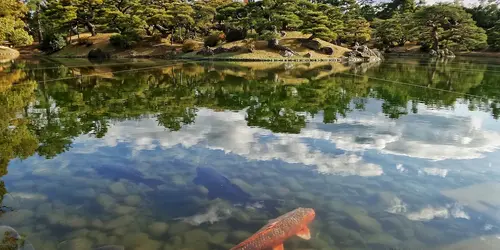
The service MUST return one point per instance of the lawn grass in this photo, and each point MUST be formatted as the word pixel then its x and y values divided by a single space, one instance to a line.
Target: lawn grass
pixel 162 48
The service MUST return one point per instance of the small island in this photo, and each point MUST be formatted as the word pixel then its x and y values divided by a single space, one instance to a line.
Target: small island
pixel 282 30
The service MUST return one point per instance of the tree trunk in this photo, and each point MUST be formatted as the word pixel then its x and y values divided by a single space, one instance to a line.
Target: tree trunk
pixel 91 28
pixel 172 37
pixel 39 23
pixel 435 38
pixel 148 32
pixel 161 29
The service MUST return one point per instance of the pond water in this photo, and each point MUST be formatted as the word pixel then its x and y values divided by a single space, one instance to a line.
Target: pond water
pixel 403 154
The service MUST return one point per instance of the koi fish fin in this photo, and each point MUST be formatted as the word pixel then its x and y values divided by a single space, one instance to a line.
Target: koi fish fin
pixel 279 247
pixel 304 233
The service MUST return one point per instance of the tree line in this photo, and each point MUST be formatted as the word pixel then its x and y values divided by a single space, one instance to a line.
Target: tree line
pixel 347 22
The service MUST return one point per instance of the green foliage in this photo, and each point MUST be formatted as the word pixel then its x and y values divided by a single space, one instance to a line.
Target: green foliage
pixel 357 30
pixel 486 14
pixel 52 42
pixel 322 21
pixel 269 35
pixel 396 7
pixel 445 25
pixel 494 36
pixel 392 32
pixel 124 41
pixel 12 13
pixel 336 21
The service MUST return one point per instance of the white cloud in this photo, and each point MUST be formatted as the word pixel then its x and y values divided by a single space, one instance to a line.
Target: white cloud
pixel 436 172
pixel 215 213
pixel 433 135
pixel 228 131
pixel 430 213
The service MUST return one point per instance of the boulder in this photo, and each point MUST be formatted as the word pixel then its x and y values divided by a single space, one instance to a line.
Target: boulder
pixel 251 48
pixel 98 54
pixel 206 51
pixel 311 44
pixel 327 50
pixel 286 53
pixel 364 53
pixel 220 50
pixel 282 33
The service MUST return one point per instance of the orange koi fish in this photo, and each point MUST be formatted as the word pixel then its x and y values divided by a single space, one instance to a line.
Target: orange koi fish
pixel 272 235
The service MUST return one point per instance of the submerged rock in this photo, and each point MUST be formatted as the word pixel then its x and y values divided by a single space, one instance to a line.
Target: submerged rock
pixel 97 223
pixel 382 241
pixel 239 236
pixel 106 201
pixel 98 236
pixel 178 228
pixel 140 241
pixel 219 237
pixel 197 239
pixel 75 244
pixel 110 247
pixel 118 188
pixel 158 228
pixel 133 200
pixel 363 221
pixel 17 217
pixel 124 210
pixel 76 221
pixel 120 222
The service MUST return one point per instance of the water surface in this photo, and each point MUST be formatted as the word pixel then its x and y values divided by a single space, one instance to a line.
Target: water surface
pixel 398 155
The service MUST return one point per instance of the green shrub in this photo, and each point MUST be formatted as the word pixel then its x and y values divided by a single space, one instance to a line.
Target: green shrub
pixel 21 38
pixel 124 41
pixel 235 35
pixel 177 38
pixel 269 35
pixel 52 42
pixel 189 46
pixel 494 37
pixel 214 39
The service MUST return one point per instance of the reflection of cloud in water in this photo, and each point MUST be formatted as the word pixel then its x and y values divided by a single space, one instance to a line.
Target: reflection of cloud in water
pixel 436 172
pixel 428 135
pixel 214 213
pixel 397 206
pixel 430 213
pixel 228 131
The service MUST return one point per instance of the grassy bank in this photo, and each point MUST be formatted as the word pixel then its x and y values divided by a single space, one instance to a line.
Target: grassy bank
pixel 164 49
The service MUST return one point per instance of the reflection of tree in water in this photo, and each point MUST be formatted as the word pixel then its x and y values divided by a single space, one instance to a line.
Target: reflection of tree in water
pixel 65 109
pixel 455 80
pixel 16 139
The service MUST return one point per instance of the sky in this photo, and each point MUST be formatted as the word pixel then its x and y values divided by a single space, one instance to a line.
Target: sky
pixel 466 2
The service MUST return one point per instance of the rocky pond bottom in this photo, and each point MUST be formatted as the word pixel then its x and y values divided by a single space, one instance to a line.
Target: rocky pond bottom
pixel 133 158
